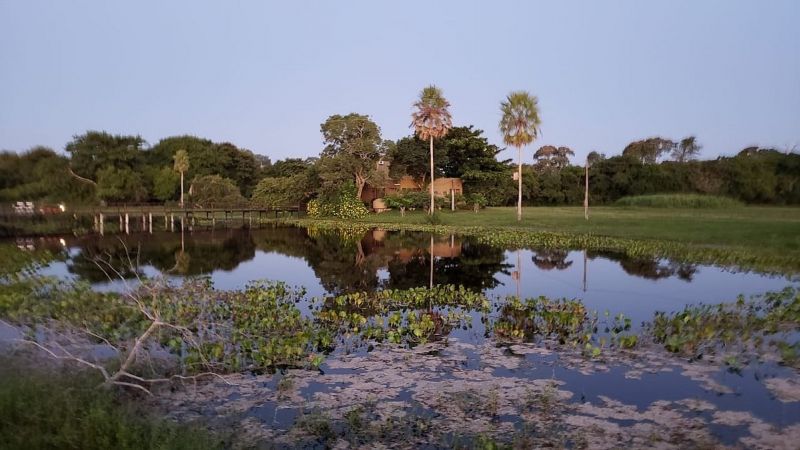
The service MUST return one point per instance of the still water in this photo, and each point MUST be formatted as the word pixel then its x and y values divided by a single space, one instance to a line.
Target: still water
pixel 647 393
pixel 327 263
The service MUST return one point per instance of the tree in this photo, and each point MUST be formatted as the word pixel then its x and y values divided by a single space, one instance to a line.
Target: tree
pixel 686 150
pixel 208 190
pixel 165 183
pixel 95 150
pixel 591 158
pixel 649 150
pixel 282 191
pixel 209 158
pixel 120 185
pixel 181 166
pixel 353 146
pixel 409 156
pixel 288 167
pixel 550 157
pixel 520 126
pixel 431 120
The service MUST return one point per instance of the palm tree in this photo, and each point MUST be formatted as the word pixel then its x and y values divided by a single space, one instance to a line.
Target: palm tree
pixel 431 120
pixel 182 166
pixel 520 126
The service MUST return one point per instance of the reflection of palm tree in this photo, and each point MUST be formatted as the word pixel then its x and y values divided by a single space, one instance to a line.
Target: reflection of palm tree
pixel 182 263
pixel 584 270
pixel 431 283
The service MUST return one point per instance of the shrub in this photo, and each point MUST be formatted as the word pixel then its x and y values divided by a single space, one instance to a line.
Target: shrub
pixel 344 205
pixel 476 201
pixel 679 201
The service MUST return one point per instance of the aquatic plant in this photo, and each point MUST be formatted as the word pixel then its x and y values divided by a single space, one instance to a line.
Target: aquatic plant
pixel 408 317
pixel 740 327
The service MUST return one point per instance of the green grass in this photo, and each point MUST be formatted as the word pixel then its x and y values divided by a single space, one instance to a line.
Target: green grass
pixel 53 409
pixel 679 201
pixel 758 228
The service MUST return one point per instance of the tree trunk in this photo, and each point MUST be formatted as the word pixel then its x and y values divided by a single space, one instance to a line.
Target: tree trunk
pixel 519 184
pixel 181 189
pixel 432 201
pixel 360 182
pixel 586 192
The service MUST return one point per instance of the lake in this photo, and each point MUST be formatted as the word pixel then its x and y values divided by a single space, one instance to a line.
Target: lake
pixel 466 384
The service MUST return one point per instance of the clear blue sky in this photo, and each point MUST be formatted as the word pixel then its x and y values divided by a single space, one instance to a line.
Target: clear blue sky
pixel 264 75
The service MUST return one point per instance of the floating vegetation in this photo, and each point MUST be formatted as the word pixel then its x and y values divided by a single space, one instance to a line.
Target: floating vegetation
pixel 742 328
pixel 408 317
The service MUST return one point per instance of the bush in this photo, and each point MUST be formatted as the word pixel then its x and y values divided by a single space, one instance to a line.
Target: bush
pixel 679 201
pixel 476 201
pixel 344 205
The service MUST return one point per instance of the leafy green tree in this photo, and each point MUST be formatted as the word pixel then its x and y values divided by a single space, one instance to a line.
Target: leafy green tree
pixel 520 126
pixel 288 167
pixel 210 190
pixel 409 156
pixel 431 120
pixel 687 149
pixel 209 158
pixel 353 146
pixel 181 166
pixel 649 150
pixel 281 191
pixel 550 157
pixel 94 151
pixel 120 185
pixel 165 183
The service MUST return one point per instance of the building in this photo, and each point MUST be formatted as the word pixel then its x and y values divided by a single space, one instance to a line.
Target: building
pixel 442 187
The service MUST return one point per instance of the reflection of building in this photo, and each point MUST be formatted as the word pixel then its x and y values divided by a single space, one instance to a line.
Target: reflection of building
pixel 442 187
pixel 451 248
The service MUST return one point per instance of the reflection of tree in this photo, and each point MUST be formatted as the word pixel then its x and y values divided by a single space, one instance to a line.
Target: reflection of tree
pixel 342 262
pixel 549 259
pixel 652 269
pixel 204 252
pixel 475 268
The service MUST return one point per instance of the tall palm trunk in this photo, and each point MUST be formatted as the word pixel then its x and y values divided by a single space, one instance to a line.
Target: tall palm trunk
pixel 432 204
pixel 181 189
pixel 586 191
pixel 519 184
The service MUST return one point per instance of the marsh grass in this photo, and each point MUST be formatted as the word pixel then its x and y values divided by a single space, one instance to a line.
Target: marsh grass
pixel 51 408
pixel 679 201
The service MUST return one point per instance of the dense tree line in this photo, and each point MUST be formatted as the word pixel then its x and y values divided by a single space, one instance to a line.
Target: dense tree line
pixel 99 166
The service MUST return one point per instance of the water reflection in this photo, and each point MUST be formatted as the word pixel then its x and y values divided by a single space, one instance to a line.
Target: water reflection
pixel 330 262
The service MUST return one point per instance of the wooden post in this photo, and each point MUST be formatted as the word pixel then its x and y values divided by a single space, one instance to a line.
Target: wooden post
pixel 150 218
pixel 452 199
pixel 127 227
pixel 101 224
pixel 171 222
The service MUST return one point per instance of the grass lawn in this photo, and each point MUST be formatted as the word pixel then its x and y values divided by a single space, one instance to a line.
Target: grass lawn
pixel 774 229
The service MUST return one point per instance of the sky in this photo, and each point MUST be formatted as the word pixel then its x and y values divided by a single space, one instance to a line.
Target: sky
pixel 264 75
